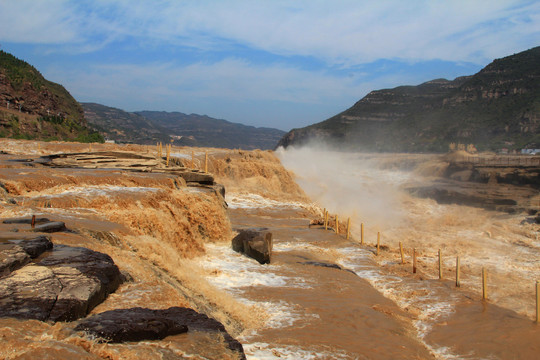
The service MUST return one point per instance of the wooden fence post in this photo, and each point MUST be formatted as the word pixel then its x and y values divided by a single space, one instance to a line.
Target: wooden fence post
pixel 484 284
pixel 458 283
pixel 337 225
pixel 206 162
pixel 401 251
pixel 440 265
pixel 378 242
pixel 348 228
pixel 362 234
pixel 414 261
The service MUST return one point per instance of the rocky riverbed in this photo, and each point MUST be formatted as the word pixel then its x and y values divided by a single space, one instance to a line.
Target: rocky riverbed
pixel 91 247
pixel 110 252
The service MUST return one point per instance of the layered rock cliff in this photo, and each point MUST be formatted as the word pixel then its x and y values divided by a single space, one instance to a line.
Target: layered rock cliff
pixel 495 108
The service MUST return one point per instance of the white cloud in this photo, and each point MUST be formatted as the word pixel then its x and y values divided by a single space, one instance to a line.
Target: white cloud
pixel 41 22
pixel 232 79
pixel 347 31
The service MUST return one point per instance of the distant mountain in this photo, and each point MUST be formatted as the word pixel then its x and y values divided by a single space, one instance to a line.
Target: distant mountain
pixel 149 127
pixel 122 126
pixel 499 107
pixel 32 107
pixel 201 130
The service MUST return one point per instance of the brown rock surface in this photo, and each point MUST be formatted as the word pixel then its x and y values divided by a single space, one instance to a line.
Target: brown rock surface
pixel 138 324
pixel 62 285
pixel 15 253
pixel 254 243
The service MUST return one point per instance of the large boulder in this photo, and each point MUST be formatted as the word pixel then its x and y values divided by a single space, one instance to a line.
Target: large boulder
pixel 34 246
pixel 134 324
pixel 138 324
pixel 63 285
pixel 15 253
pixel 255 243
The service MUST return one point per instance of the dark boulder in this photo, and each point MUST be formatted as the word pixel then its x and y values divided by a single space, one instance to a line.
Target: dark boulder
pixel 15 253
pixel 12 257
pixel 255 243
pixel 35 246
pixel 138 324
pixel 26 221
pixel 40 224
pixel 63 285
pixel 134 324
pixel 50 227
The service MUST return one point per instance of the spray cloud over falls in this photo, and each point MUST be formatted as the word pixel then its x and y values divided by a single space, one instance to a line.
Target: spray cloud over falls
pixel 351 185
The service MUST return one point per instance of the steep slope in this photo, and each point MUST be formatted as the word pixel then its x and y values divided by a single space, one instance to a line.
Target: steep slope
pixel 32 107
pixel 201 130
pixel 497 107
pixel 122 126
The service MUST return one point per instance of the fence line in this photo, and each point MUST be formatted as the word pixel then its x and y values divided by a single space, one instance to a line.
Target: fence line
pixel 440 262
pixel 505 160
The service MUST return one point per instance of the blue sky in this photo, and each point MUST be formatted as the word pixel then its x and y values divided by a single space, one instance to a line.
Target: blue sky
pixel 282 64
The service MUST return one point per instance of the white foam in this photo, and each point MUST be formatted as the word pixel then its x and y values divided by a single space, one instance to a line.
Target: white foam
pixel 280 314
pixel 263 351
pixel 92 191
pixel 253 201
pixel 181 156
pixel 405 293
pixel 235 270
pixel 297 245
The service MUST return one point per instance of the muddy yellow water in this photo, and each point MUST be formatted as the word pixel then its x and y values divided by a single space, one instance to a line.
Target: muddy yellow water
pixel 337 313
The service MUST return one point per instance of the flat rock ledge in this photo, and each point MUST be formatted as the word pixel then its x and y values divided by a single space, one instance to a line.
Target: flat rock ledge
pixel 46 282
pixel 255 243
pixel 136 324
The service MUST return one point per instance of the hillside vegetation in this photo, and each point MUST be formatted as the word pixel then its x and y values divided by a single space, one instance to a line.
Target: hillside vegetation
pixel 499 107
pixel 31 107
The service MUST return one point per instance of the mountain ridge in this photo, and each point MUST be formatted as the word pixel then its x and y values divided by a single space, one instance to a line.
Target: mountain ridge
pixel 149 127
pixel 495 108
pixel 202 130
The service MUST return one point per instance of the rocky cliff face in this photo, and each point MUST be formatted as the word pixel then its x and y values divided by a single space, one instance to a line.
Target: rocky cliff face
pixel 497 107
pixel 34 108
